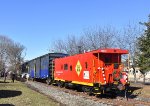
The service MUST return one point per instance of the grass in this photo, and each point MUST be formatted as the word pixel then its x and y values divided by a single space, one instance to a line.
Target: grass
pixel 18 94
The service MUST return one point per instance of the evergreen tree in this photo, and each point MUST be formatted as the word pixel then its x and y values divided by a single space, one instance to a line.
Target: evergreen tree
pixel 144 50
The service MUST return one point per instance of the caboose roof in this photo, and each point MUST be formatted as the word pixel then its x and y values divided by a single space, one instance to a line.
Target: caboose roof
pixel 111 50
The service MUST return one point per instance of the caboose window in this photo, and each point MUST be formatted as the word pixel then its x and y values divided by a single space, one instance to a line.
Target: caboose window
pixel 71 68
pixel 65 66
pixel 107 60
pixel 86 65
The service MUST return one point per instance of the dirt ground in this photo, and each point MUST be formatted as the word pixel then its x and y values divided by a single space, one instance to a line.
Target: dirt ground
pixel 138 95
pixel 141 90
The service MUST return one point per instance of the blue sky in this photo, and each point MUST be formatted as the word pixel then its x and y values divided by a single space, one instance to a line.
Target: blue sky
pixel 38 23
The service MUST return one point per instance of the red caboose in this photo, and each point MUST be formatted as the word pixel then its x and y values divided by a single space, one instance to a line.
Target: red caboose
pixel 95 70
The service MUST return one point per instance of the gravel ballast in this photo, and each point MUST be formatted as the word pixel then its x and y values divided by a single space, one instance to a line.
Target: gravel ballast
pixel 65 98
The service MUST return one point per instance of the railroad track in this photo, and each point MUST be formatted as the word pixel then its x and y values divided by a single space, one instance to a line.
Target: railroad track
pixel 103 100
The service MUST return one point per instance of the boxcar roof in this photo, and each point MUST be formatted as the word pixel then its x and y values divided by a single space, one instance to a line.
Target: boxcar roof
pixel 44 56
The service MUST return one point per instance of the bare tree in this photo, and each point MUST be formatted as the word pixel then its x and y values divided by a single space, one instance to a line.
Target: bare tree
pixel 69 45
pixel 4 44
pixel 59 46
pixel 91 39
pixel 100 37
pixel 15 51
pixel 10 54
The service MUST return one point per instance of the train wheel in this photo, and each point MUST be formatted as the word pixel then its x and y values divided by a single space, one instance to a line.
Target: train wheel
pixel 83 88
pixel 32 79
pixel 90 92
pixel 66 85
pixel 86 89
pixel 49 81
pixel 61 84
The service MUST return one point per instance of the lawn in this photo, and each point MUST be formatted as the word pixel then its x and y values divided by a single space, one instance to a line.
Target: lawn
pixel 18 94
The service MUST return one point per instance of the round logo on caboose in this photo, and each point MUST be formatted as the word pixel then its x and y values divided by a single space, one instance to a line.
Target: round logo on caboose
pixel 78 68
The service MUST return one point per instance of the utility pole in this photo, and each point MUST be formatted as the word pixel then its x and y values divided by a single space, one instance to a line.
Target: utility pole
pixel 128 61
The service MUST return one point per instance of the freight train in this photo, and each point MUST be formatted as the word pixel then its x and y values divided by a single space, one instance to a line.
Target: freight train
pixel 96 72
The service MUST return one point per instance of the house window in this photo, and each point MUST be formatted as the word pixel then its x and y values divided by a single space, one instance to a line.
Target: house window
pixel 65 66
